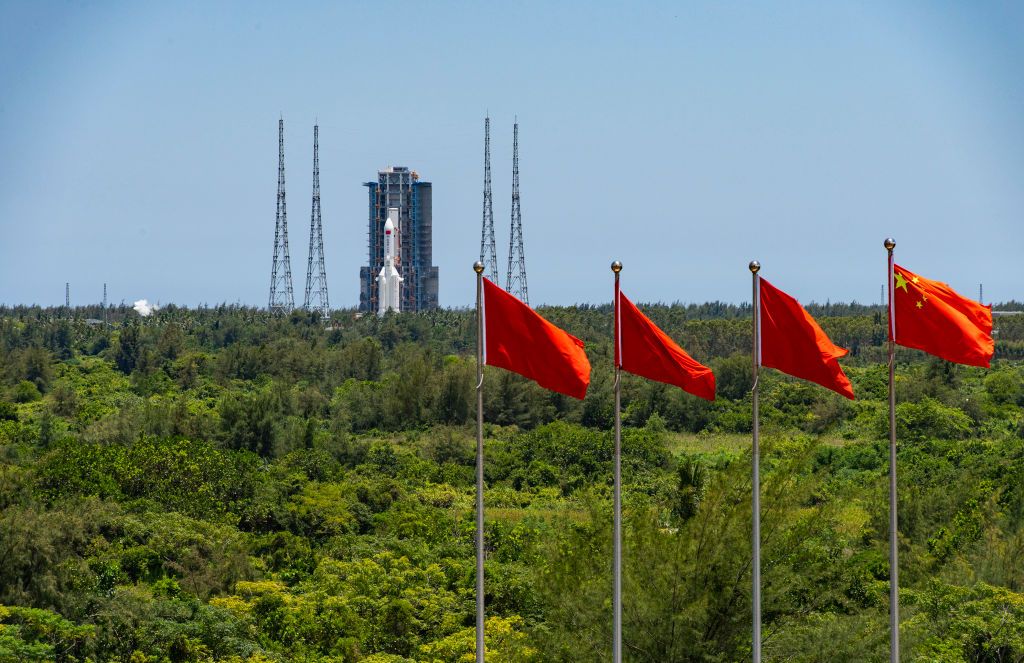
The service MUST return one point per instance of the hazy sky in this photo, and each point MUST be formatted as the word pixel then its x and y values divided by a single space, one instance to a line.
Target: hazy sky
pixel 139 143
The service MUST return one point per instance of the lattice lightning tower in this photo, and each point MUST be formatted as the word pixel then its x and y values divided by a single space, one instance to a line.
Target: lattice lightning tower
pixel 488 252
pixel 316 273
pixel 516 283
pixel 282 299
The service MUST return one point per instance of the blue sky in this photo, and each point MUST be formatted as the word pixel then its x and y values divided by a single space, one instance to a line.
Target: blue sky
pixel 139 143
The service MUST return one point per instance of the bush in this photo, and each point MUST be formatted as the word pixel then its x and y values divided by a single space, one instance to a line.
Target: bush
pixel 931 419
pixel 1004 387
pixel 26 392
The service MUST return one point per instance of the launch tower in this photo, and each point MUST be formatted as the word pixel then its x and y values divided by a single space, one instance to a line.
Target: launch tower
pixel 488 252
pixel 316 273
pixel 282 299
pixel 400 190
pixel 516 283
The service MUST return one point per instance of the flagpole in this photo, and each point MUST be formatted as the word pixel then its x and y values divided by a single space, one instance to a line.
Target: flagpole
pixel 894 566
pixel 755 267
pixel 617 545
pixel 478 267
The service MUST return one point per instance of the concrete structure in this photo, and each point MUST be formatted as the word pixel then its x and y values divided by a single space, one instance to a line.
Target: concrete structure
pixel 399 189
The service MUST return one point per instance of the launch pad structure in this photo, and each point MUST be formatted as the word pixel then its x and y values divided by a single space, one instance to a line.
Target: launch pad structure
pixel 401 201
pixel 316 273
pixel 398 188
pixel 488 251
pixel 516 274
pixel 282 298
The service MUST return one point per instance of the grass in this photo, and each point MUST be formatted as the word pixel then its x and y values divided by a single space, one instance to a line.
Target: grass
pixel 706 443
pixel 729 443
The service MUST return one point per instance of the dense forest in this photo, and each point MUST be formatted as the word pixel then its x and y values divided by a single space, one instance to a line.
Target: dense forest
pixel 220 484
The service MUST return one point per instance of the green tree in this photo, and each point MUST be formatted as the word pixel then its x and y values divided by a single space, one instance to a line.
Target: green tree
pixel 26 392
pixel 127 349
pixel 35 367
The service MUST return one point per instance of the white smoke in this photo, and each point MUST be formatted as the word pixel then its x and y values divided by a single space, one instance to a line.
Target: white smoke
pixel 144 308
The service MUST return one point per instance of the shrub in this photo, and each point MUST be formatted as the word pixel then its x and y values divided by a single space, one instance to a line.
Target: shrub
pixel 26 392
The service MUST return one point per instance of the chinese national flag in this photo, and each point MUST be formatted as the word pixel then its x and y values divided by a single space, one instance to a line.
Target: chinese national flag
pixel 930 316
pixel 792 342
pixel 517 339
pixel 643 349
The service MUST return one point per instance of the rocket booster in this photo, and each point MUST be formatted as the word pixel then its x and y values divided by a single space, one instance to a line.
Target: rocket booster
pixel 388 280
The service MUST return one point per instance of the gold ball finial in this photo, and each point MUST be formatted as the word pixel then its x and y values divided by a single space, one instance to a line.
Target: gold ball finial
pixel 755 266
pixel 478 267
pixel 889 243
pixel 616 266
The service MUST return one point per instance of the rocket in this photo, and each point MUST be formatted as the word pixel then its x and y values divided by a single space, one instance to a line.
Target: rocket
pixel 389 283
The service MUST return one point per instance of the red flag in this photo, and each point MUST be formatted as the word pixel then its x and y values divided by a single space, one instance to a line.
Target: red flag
pixel 643 349
pixel 931 316
pixel 517 339
pixel 792 342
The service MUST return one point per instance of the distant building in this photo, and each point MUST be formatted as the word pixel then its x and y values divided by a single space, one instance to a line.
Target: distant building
pixel 400 188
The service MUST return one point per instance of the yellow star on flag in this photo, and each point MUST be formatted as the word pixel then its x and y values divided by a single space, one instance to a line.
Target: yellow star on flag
pixel 920 304
pixel 901 282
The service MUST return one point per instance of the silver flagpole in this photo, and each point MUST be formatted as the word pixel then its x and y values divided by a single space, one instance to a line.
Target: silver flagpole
pixel 478 267
pixel 755 267
pixel 894 566
pixel 617 545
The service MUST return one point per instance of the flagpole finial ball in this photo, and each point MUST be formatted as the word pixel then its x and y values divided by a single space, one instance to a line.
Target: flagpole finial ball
pixel 478 267
pixel 616 266
pixel 890 243
pixel 755 267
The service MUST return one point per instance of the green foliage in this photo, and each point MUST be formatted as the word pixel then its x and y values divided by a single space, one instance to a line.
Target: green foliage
pixel 191 477
pixel 734 376
pixel 127 349
pixel 26 392
pixel 29 634
pixel 979 623
pixel 221 484
pixel 252 422
pixel 505 642
pixel 930 419
pixel 35 367
pixel 1005 386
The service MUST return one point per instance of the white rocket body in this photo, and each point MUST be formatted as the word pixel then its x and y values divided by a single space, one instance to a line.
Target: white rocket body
pixel 389 283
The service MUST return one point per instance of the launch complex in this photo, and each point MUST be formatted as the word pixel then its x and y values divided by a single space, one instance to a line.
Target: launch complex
pixel 399 274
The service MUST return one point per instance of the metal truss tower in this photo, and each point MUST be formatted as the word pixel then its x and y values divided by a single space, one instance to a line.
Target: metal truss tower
pixel 316 273
pixel 488 252
pixel 516 282
pixel 282 299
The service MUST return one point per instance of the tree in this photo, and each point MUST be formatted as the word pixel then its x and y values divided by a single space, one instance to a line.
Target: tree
pixel 127 349
pixel 26 392
pixel 734 376
pixel 35 367
pixel 250 422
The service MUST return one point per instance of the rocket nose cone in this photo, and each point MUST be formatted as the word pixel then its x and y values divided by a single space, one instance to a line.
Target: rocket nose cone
pixel 388 225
